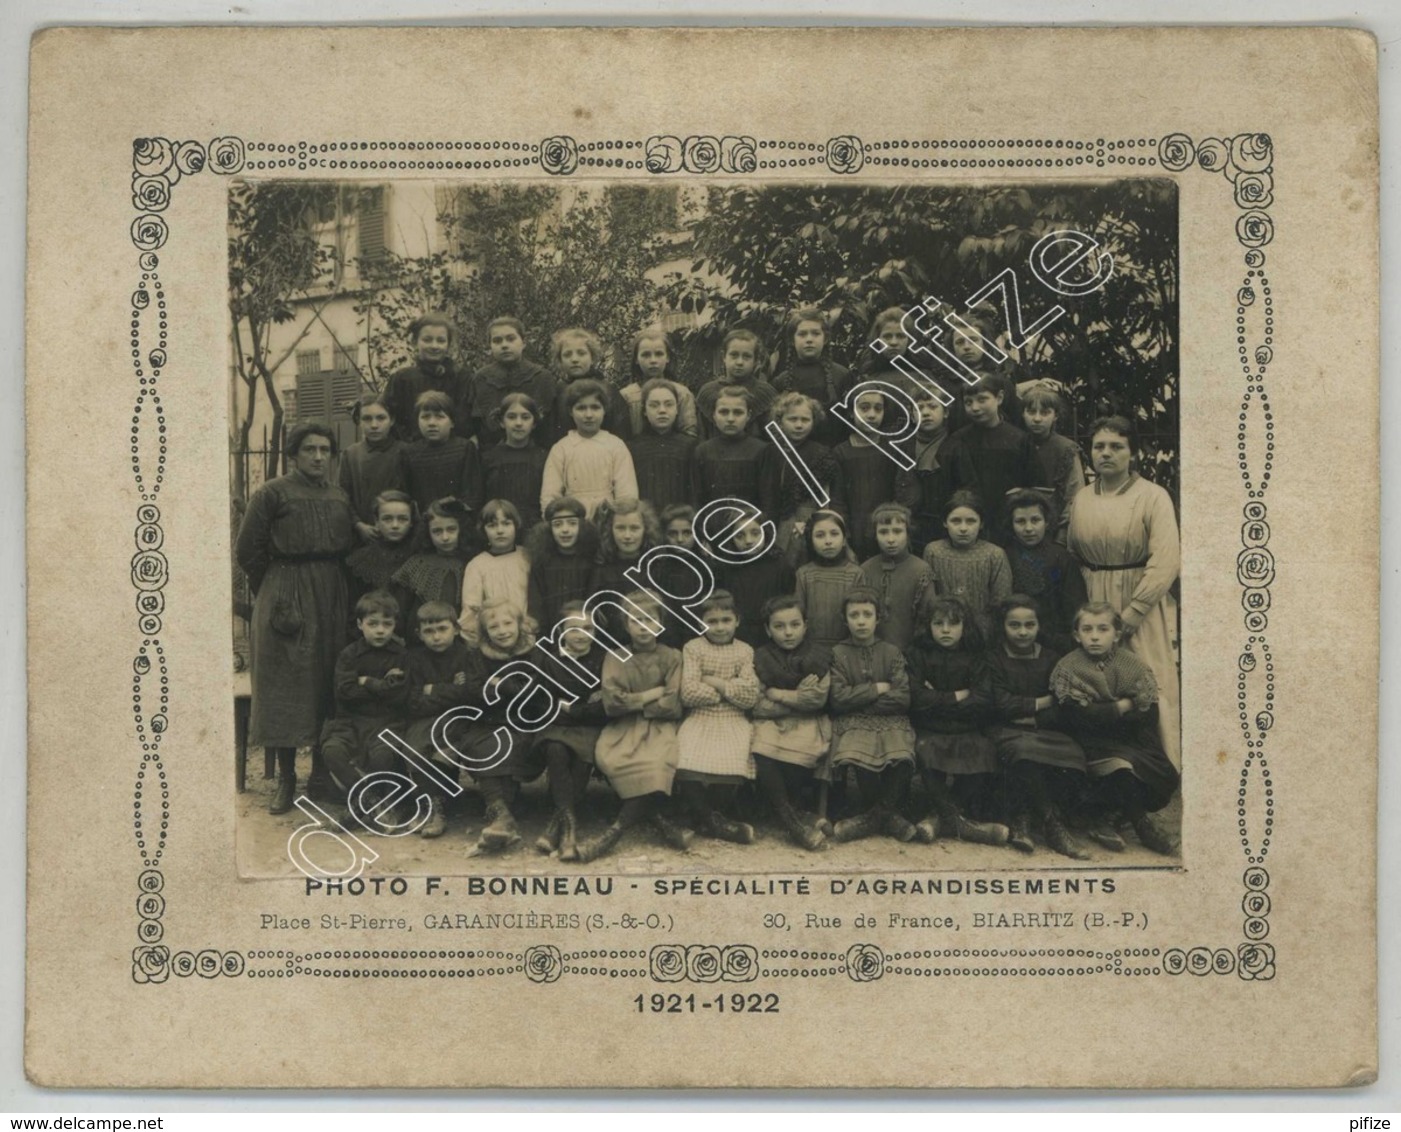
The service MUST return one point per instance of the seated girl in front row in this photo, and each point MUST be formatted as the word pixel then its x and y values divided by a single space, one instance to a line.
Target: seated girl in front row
pixel 1045 767
pixel 950 695
pixel 792 731
pixel 1109 700
pixel 637 749
pixel 871 730
pixel 504 634
pixel 718 689
pixel 567 745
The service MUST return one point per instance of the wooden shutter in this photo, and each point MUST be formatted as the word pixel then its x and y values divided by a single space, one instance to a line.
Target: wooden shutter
pixel 329 398
pixel 371 224
pixel 313 397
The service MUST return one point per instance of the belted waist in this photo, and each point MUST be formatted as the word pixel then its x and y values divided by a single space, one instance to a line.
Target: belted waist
pixel 311 556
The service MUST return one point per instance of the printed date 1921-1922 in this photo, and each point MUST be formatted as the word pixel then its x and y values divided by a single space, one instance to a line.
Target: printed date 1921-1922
pixel 736 1003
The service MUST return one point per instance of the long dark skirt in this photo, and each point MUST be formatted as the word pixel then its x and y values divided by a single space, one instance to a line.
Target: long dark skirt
pixel 1036 745
pixel 968 752
pixel 298 629
pixel 1146 761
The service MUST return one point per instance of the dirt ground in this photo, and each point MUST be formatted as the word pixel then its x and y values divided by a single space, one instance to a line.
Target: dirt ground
pixel 262 844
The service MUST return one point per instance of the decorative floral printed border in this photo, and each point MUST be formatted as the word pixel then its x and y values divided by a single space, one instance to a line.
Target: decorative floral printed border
pixel 1245 161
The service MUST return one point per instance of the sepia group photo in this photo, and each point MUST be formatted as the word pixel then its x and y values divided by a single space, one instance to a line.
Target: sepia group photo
pixel 706 527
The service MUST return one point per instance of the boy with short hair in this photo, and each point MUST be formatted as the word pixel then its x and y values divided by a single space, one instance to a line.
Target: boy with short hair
pixel 509 371
pixel 439 676
pixel 371 694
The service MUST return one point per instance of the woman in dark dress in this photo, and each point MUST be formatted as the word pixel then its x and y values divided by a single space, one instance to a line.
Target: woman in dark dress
pixel 292 545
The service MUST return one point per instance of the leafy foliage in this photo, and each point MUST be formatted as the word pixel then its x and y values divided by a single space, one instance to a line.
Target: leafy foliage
pixel 529 251
pixel 274 259
pixel 853 251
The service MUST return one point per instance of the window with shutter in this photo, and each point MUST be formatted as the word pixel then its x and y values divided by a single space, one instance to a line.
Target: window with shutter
pixel 313 397
pixel 345 361
pixel 308 361
pixel 345 392
pixel 371 223
pixel 328 398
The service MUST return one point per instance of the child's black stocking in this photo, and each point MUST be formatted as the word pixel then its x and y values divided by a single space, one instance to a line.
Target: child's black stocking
pixel 582 772
pixel 774 783
pixel 691 797
pixel 559 769
pixel 345 768
pixel 946 818
pixel 1034 791
pixel 1130 797
pixel 636 810
pixel 868 788
pixel 658 813
pixel 1116 794
pixel 773 779
pixel 871 819
pixel 709 821
pixel 1030 794
pixel 560 832
pixel 975 794
pixel 943 814
pixel 895 786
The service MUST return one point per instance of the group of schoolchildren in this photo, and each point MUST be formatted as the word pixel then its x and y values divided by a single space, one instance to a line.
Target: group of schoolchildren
pixel 924 618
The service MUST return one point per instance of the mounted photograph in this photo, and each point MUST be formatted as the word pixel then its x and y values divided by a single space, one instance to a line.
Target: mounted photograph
pixel 723 527
pixel 697 565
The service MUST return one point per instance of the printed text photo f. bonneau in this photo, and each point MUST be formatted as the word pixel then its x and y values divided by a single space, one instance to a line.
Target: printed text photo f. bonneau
pixel 739 528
